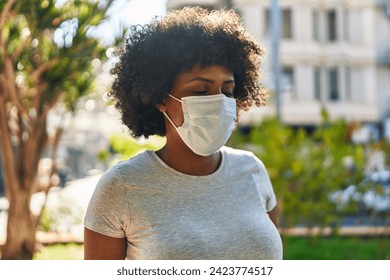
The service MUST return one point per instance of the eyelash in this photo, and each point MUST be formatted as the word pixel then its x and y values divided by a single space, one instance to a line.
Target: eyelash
pixel 228 94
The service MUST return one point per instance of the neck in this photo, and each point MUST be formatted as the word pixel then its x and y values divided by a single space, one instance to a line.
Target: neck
pixel 183 160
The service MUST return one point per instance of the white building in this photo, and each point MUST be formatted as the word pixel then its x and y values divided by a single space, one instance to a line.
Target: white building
pixel 333 53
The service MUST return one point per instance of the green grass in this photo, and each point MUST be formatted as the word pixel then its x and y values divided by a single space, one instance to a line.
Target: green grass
pixel 71 251
pixel 295 248
pixel 336 248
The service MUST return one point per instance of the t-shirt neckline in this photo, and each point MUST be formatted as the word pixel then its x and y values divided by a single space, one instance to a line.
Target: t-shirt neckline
pixel 158 161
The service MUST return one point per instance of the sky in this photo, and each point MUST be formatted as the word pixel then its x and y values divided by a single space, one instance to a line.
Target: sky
pixel 124 13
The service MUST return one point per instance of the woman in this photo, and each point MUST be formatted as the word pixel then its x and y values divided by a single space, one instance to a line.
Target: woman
pixel 185 76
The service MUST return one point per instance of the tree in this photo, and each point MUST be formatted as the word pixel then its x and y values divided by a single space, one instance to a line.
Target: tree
pixel 45 57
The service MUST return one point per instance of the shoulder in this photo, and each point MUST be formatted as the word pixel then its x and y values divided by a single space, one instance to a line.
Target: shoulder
pixel 237 153
pixel 115 175
pixel 242 157
pixel 138 161
pixel 138 164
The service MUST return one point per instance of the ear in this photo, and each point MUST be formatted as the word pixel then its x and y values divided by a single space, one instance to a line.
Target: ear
pixel 161 107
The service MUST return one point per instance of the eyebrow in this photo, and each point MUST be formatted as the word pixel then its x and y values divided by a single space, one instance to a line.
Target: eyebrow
pixel 209 81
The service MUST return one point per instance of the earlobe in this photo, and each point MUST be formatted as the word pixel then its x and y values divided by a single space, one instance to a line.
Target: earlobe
pixel 161 107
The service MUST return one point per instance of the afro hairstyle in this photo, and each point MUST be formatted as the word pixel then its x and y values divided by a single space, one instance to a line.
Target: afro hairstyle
pixel 153 55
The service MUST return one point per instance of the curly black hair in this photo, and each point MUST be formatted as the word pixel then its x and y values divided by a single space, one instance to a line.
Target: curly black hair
pixel 153 55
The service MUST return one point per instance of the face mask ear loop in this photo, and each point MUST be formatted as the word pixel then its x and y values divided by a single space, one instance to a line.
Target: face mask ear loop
pixel 177 99
pixel 165 114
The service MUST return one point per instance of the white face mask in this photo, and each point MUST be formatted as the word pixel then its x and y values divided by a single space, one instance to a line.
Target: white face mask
pixel 208 122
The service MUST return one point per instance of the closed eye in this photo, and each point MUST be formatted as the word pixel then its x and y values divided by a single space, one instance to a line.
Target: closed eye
pixel 200 92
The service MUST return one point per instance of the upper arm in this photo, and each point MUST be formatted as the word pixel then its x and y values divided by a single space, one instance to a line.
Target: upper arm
pixel 273 215
pixel 102 247
pixel 107 219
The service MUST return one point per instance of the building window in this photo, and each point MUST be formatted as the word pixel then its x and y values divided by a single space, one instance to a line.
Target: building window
pixel 348 78
pixel 286 23
pixel 316 25
pixel 332 25
pixel 317 83
pixel 346 24
pixel 287 80
pixel 267 22
pixel 333 85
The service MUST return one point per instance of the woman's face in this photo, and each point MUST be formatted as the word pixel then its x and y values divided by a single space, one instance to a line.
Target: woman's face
pixel 198 81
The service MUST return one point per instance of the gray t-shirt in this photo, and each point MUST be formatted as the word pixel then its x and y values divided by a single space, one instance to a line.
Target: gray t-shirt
pixel 165 214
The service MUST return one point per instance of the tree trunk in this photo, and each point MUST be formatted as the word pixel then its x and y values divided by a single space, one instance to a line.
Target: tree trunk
pixel 20 164
pixel 20 243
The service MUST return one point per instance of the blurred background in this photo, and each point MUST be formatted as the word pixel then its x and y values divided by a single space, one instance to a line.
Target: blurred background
pixel 324 135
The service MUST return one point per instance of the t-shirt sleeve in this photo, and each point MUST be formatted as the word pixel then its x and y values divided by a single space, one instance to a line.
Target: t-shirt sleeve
pixel 265 187
pixel 107 211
